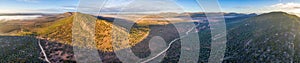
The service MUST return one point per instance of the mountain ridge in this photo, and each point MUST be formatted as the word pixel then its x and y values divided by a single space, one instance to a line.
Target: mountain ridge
pixel 265 38
pixel 61 31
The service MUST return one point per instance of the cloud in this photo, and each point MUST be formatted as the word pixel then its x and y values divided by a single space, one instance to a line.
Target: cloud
pixel 46 10
pixel 131 6
pixel 55 10
pixel 152 6
pixel 69 8
pixel 29 11
pixel 293 8
pixel 242 7
pixel 287 6
pixel 29 1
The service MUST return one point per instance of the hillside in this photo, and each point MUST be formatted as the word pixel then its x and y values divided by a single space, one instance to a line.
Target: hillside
pixel 15 49
pixel 61 31
pixel 265 38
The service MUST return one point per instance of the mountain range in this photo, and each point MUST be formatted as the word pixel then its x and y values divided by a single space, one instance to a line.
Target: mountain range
pixel 268 37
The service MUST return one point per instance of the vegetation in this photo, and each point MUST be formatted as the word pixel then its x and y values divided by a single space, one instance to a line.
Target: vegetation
pixel 264 38
pixel 19 50
pixel 61 31
pixel 152 20
pixel 270 37
pixel 8 28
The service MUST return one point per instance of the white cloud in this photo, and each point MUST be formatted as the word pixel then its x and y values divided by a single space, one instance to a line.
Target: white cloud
pixel 68 8
pixel 30 1
pixel 293 8
pixel 128 6
pixel 287 5
pixel 48 10
pixel 152 6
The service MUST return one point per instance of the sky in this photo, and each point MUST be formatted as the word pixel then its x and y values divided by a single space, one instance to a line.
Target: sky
pixel 113 6
pixel 35 6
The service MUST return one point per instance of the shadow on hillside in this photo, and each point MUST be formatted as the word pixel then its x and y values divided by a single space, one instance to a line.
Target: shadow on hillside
pixel 141 50
pixel 19 49
pixel 119 22
pixel 167 32
pixel 26 49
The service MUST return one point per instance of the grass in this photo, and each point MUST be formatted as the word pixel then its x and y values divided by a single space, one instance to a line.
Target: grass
pixel 61 31
pixel 152 20
pixel 20 50
pixel 265 36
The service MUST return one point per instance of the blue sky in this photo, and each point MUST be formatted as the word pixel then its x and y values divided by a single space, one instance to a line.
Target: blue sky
pixel 33 6
pixel 60 6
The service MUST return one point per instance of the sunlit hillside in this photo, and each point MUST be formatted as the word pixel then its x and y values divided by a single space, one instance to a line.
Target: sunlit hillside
pixel 61 31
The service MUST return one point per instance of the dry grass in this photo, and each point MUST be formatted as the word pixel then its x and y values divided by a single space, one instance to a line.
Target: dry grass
pixel 106 35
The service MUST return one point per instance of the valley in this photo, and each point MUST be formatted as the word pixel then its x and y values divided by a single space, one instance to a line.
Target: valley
pixel 251 38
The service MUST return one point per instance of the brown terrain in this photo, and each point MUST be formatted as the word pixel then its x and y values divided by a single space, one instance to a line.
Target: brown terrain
pixel 58 52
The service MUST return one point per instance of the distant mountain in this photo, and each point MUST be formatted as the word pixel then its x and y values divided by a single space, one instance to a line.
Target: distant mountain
pixel 11 14
pixel 15 27
pixel 269 37
pixel 226 15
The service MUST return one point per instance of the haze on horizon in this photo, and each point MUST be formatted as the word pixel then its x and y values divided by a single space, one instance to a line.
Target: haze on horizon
pixel 144 6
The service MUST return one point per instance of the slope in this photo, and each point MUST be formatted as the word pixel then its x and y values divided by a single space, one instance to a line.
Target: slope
pixel 61 31
pixel 270 37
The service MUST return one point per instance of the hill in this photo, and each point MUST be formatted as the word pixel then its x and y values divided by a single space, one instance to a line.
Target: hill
pixel 269 37
pixel 59 28
pixel 61 31
pixel 15 49
pixel 16 27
